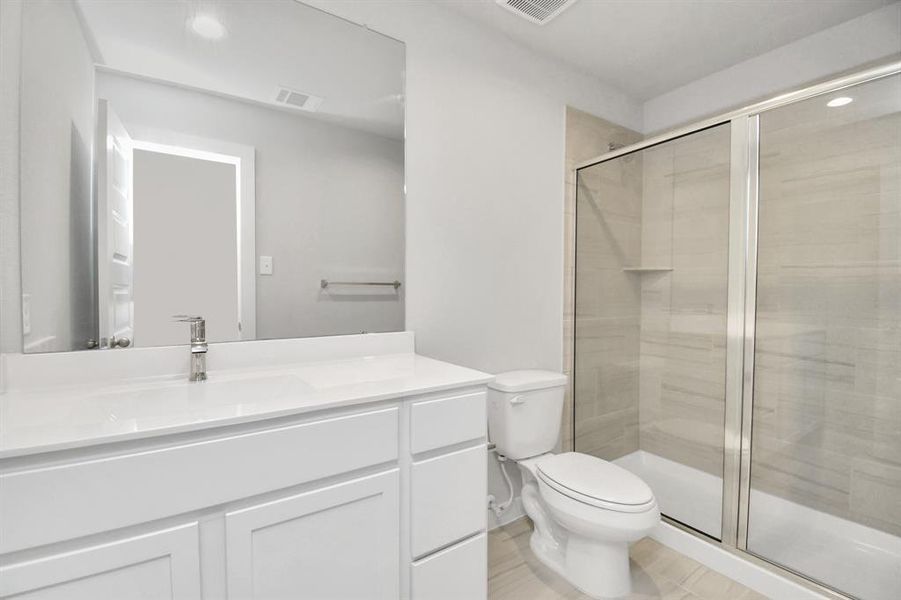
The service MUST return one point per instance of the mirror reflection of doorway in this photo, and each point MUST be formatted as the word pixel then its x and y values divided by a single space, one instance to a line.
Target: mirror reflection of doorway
pixel 187 222
pixel 187 243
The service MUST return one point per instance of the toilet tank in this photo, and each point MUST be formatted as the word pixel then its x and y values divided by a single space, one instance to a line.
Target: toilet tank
pixel 524 410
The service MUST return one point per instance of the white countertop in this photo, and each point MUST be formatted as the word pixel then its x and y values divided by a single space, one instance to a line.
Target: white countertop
pixel 41 420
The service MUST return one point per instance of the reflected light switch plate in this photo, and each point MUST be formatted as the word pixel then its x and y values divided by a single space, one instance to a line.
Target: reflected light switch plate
pixel 265 265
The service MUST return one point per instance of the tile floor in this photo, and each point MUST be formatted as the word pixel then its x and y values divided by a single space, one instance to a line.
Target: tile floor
pixel 657 572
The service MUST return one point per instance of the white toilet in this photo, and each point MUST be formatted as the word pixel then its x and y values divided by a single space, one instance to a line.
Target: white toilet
pixel 585 510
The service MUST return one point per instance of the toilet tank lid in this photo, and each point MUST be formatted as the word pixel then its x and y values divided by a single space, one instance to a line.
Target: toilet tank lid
pixel 526 380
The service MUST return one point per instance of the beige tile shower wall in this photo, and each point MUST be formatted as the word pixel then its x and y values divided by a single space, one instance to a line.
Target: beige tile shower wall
pixel 827 410
pixel 684 231
pixel 608 301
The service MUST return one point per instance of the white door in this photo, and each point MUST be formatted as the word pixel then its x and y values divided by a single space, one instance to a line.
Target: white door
pixel 115 270
pixel 185 246
pixel 155 566
pixel 334 543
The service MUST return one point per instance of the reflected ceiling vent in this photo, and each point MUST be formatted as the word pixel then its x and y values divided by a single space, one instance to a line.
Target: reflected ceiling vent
pixel 299 100
pixel 536 11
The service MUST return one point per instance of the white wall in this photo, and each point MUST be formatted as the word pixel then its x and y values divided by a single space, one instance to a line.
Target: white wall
pixel 329 203
pixel 870 37
pixel 57 127
pixel 485 175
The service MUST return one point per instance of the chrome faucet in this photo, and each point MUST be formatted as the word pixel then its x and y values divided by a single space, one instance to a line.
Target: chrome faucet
pixel 198 346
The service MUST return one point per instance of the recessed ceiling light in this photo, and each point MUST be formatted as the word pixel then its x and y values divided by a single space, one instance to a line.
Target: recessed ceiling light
pixel 208 27
pixel 836 102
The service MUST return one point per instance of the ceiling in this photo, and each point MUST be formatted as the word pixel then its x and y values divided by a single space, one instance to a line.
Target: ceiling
pixel 358 73
pixel 649 47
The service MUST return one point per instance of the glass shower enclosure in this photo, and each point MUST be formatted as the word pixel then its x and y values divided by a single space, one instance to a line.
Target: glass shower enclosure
pixel 738 328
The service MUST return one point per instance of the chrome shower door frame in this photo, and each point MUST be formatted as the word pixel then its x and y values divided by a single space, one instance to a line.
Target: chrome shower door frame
pixel 742 277
pixel 742 305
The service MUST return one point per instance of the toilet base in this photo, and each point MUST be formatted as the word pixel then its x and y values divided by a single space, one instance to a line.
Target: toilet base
pixel 597 569
pixel 590 550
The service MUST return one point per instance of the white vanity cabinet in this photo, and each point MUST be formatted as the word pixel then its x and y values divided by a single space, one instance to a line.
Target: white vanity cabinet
pixel 376 501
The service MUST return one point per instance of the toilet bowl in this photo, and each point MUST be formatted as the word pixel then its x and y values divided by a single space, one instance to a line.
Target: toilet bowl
pixel 585 510
pixel 589 511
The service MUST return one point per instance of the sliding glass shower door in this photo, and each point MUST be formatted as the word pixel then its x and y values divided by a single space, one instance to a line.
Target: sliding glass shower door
pixel 825 479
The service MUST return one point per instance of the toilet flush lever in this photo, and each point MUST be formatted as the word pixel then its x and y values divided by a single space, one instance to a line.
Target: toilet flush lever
pixel 518 399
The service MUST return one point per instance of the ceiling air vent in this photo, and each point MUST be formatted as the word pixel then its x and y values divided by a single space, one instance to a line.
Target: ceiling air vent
pixel 536 11
pixel 295 99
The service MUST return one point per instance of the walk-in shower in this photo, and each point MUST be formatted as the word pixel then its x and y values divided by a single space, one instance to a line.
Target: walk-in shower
pixel 738 327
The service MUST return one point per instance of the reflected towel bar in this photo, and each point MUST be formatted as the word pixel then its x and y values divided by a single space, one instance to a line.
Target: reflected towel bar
pixel 324 283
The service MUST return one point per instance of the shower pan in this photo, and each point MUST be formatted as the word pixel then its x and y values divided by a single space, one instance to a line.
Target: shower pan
pixel 738 328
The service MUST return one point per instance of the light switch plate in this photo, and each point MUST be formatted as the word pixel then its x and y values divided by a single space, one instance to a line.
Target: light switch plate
pixel 265 265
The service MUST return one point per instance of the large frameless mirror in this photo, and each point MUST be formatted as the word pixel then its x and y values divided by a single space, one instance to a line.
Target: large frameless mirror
pixel 234 159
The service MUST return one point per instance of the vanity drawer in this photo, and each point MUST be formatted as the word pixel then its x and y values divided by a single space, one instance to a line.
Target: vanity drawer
pixel 45 505
pixel 439 422
pixel 448 496
pixel 460 571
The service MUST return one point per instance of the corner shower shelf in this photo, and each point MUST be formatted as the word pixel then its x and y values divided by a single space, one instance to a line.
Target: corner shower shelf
pixel 646 269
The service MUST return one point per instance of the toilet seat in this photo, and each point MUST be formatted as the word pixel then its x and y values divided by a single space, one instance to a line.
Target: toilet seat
pixel 595 482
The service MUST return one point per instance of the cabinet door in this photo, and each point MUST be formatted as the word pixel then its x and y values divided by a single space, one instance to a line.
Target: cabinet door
pixel 154 566
pixel 339 542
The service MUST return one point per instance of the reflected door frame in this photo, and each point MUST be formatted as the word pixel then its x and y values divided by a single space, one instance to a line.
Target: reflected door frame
pixel 114 228
pixel 243 157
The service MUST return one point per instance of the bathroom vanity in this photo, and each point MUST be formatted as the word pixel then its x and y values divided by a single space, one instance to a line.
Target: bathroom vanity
pixel 345 467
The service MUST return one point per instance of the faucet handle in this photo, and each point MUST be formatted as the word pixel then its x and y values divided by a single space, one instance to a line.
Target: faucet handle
pixel 187 318
pixel 198 327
